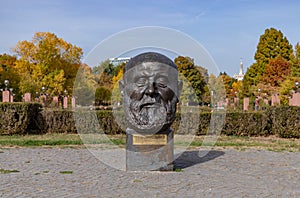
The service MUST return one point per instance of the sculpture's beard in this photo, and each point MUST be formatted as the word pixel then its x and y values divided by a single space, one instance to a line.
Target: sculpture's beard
pixel 151 112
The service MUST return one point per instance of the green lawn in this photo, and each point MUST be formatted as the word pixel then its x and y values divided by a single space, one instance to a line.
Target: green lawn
pixel 74 140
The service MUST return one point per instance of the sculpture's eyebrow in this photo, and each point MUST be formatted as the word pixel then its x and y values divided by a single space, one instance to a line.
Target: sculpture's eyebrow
pixel 144 74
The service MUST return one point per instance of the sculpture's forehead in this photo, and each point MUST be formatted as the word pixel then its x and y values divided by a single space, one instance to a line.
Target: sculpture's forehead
pixel 151 68
pixel 154 66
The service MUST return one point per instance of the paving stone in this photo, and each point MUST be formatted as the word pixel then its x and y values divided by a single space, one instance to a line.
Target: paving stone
pixel 220 173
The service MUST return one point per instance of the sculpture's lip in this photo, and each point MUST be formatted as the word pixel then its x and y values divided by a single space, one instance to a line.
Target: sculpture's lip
pixel 150 105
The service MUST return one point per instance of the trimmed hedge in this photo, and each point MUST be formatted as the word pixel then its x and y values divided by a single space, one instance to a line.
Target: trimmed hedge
pixel 285 121
pixel 246 124
pixel 21 118
pixel 15 118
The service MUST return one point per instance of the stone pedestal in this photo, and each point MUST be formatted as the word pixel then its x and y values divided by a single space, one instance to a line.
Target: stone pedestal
pixel 246 104
pixel 73 102
pixel 236 101
pixel 149 152
pixel 275 100
pixel 227 102
pixel 65 102
pixel 11 98
pixel 43 99
pixel 5 96
pixel 55 101
pixel 27 97
pixel 295 100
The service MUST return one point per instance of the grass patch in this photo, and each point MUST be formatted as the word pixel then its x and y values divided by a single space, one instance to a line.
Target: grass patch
pixel 75 140
pixel 4 171
pixel 58 139
pixel 178 170
pixel 66 172
pixel 137 180
pixel 40 140
pixel 242 143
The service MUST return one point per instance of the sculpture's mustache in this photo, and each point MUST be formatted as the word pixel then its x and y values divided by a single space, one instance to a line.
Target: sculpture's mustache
pixel 146 101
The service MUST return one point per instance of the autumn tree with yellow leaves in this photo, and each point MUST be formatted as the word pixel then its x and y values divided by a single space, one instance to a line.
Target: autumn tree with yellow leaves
pixel 47 61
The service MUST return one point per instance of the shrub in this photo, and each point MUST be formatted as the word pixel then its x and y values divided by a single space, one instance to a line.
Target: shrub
pixel 285 121
pixel 20 118
pixel 246 124
pixel 16 117
pixel 68 121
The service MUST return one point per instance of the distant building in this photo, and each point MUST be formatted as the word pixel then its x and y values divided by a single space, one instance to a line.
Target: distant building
pixel 240 75
pixel 117 61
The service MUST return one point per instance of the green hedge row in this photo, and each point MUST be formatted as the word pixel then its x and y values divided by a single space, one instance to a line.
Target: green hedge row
pixel 16 118
pixel 30 118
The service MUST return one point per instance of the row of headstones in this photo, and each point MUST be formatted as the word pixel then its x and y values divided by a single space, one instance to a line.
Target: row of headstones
pixel 275 100
pixel 293 101
pixel 8 97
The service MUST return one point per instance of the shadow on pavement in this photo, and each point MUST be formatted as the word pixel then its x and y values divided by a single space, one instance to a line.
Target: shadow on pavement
pixel 191 158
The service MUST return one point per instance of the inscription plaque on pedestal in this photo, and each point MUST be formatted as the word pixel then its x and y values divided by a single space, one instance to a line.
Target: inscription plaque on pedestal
pixel 150 91
pixel 150 152
pixel 157 139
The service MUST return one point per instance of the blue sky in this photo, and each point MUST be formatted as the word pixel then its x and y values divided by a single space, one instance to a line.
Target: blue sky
pixel 228 29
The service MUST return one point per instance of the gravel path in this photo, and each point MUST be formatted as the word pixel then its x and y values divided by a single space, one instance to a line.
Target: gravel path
pixel 220 173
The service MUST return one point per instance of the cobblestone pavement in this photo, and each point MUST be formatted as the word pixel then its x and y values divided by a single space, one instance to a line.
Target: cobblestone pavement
pixel 220 173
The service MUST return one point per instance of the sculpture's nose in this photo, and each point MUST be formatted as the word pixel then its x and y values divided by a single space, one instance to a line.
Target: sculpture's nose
pixel 151 88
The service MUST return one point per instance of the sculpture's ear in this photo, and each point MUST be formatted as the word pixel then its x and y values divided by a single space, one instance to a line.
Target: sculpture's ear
pixel 121 85
pixel 180 85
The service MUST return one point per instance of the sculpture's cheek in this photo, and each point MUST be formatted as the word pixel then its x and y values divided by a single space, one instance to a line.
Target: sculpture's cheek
pixel 166 94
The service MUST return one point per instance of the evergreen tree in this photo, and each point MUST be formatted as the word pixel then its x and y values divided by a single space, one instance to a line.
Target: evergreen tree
pixel 295 60
pixel 271 45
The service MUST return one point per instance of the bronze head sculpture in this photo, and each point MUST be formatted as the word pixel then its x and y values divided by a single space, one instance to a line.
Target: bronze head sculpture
pixel 150 91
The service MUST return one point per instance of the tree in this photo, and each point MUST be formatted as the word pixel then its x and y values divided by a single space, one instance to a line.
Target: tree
pixel 106 72
pixel 7 72
pixel 187 68
pixel 286 90
pixel 102 96
pixel 276 72
pixel 236 88
pixel 295 60
pixel 85 86
pixel 100 68
pixel 216 88
pixel 47 61
pixel 227 81
pixel 272 44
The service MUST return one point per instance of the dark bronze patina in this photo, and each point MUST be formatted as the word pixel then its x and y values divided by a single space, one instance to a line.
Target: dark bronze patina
pixel 150 90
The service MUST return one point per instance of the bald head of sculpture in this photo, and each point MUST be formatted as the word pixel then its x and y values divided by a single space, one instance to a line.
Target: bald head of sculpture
pixel 150 90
